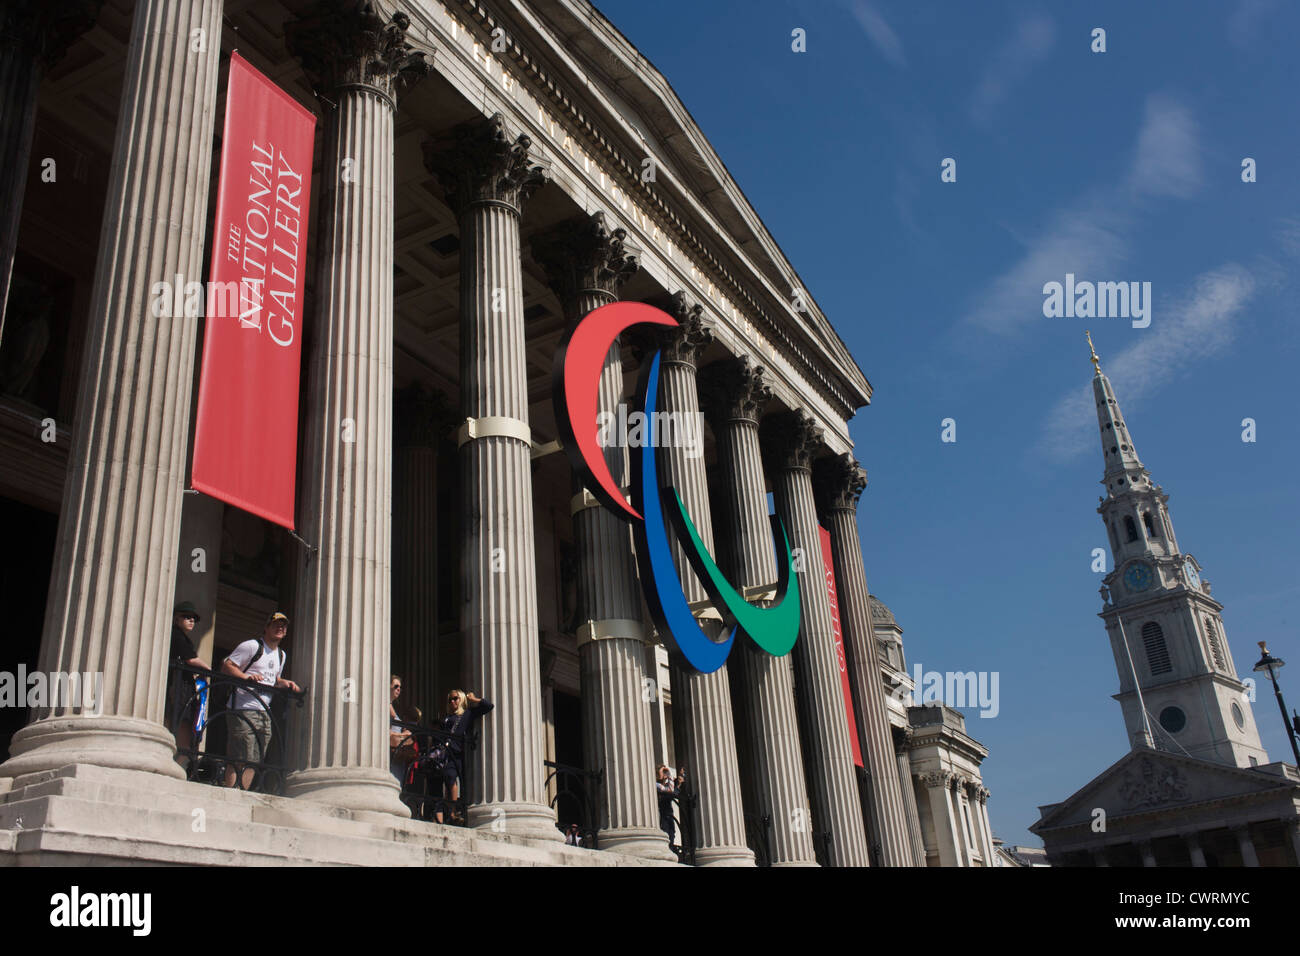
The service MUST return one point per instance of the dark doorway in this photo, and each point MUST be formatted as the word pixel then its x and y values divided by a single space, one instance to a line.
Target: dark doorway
pixel 568 753
pixel 24 581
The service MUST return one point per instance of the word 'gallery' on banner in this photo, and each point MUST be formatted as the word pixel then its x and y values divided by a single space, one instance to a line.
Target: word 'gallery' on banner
pixel 246 434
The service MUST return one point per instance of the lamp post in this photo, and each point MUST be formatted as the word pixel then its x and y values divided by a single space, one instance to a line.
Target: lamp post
pixel 1271 665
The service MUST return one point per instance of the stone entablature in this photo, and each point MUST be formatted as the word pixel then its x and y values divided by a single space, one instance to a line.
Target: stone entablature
pixel 588 166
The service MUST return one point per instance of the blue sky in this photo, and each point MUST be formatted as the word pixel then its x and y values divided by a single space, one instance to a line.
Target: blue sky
pixel 1116 166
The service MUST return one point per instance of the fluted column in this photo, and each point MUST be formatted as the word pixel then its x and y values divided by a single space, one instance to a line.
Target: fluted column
pixel 702 714
pixel 839 482
pixel 487 176
pixel 421 419
pixel 937 788
pixel 110 600
pixel 791 440
pixel 916 841
pixel 34 35
pixel 734 393
pixel 586 263
pixel 360 61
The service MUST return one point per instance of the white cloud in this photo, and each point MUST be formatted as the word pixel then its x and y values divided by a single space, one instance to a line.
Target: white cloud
pixel 1090 236
pixel 1168 160
pixel 1031 41
pixel 1199 325
pixel 880 33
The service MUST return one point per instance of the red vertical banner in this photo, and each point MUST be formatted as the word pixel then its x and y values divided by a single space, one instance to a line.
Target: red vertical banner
pixel 838 635
pixel 246 435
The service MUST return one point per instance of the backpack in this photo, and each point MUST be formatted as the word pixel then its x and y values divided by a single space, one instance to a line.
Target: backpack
pixel 261 648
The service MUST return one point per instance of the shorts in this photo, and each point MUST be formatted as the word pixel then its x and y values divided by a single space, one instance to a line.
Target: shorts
pixel 248 736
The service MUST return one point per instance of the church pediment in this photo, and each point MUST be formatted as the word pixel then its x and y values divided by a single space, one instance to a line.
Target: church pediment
pixel 1143 781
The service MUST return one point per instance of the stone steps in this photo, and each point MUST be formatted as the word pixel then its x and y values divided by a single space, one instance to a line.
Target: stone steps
pixel 95 815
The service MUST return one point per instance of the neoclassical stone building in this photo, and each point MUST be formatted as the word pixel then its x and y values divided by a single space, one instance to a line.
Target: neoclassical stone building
pixel 485 174
pixel 938 764
pixel 1197 787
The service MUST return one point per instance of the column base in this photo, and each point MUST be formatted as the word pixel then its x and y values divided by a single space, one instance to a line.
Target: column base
pixel 121 743
pixel 725 856
pixel 787 863
pixel 647 843
pixel 524 819
pixel 360 789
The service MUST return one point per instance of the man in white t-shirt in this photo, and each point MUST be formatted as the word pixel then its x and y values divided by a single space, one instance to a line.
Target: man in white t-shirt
pixel 249 725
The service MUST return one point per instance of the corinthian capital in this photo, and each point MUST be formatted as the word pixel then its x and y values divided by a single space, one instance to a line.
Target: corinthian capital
pixel 734 389
pixel 584 255
pixel 693 333
pixel 790 440
pixel 348 43
pixel 45 29
pixel 838 481
pixel 938 778
pixel 479 162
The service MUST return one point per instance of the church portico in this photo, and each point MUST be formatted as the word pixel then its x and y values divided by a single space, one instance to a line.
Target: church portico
pixel 475 197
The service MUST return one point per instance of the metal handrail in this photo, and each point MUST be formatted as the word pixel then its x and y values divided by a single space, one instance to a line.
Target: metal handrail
pixel 209 766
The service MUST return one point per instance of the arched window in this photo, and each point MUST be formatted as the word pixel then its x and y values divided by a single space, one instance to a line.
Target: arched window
pixel 1216 647
pixel 1114 538
pixel 1153 640
pixel 1130 528
pixel 1146 520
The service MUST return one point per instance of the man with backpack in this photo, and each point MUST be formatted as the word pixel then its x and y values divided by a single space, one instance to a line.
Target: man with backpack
pixel 249 723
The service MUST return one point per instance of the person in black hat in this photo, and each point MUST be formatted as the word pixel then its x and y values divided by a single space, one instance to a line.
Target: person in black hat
pixel 180 685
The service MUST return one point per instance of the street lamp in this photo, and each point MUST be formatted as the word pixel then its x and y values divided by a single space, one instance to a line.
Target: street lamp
pixel 1272 665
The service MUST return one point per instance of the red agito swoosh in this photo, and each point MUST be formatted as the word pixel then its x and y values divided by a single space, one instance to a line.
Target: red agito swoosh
pixel 575 384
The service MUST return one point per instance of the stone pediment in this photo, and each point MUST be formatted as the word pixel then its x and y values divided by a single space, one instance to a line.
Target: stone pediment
pixel 1149 780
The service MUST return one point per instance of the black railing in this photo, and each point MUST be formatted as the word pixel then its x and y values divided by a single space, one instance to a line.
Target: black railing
pixel 577 792
pixel 822 846
pixel 201 706
pixel 688 803
pixel 758 831
pixel 427 779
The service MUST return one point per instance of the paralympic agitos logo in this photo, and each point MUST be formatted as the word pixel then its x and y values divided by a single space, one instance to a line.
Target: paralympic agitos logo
pixel 575 383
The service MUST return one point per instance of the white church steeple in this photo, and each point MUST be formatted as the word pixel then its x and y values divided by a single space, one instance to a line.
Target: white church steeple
pixel 1165 629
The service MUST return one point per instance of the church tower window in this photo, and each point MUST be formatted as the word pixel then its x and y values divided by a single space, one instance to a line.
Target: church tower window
pixel 1153 640
pixel 1146 520
pixel 1216 649
pixel 1130 528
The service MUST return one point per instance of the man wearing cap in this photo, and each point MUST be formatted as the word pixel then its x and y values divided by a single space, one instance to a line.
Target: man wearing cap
pixel 180 685
pixel 249 726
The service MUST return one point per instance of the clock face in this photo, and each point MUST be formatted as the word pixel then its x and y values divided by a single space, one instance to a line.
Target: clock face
pixel 1138 577
pixel 1193 578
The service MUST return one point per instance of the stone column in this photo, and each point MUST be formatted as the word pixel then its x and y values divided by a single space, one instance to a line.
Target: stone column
pixel 34 35
pixel 421 419
pixel 342 631
pixel 945 832
pixel 1193 841
pixel 1248 857
pixel 982 795
pixel 839 482
pixel 702 715
pixel 586 263
pixel 961 822
pixel 790 442
pixel 762 686
pixel 487 176
pixel 109 606
pixel 1293 834
pixel 916 841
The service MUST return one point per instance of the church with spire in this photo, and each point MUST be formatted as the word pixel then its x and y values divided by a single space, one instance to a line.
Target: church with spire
pixel 1196 787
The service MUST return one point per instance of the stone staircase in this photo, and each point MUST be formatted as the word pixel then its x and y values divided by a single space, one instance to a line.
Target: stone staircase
pixel 88 815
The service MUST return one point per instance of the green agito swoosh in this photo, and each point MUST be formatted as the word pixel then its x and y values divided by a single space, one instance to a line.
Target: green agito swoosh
pixel 775 628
